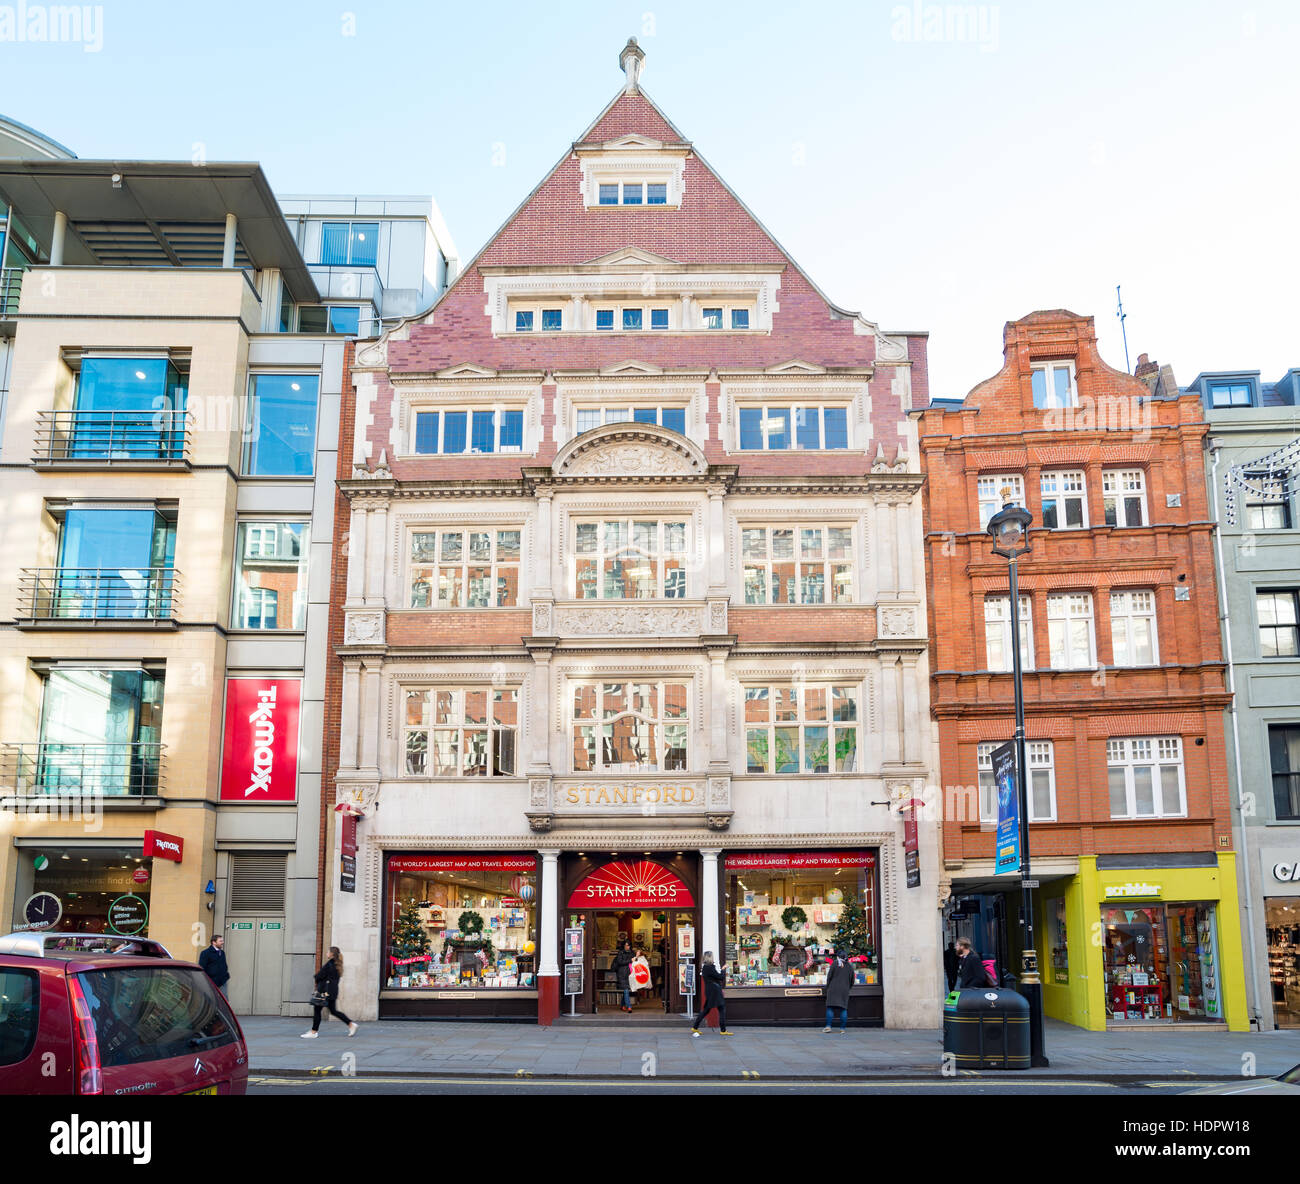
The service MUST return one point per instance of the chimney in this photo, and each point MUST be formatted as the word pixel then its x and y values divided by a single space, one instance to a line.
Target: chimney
pixel 1145 366
pixel 631 60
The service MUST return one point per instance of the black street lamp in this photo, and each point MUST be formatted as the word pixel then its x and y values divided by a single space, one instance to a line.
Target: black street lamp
pixel 1009 529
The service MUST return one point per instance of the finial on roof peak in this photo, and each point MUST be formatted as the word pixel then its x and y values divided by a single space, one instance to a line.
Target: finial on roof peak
pixel 631 60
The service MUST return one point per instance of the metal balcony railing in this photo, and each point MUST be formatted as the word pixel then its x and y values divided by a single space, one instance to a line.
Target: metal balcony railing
pixel 107 770
pixel 11 286
pixel 98 593
pixel 110 437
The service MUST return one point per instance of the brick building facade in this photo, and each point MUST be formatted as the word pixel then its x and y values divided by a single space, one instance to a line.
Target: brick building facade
pixel 632 617
pixel 1124 676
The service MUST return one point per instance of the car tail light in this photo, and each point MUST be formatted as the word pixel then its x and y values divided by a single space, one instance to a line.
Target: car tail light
pixel 90 1078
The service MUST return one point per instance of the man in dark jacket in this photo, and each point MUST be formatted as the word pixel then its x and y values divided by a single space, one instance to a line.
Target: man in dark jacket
pixel 970 970
pixel 714 980
pixel 623 968
pixel 839 982
pixel 213 962
pixel 950 965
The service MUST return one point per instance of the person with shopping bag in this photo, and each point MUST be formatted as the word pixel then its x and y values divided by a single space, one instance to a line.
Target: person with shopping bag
pixel 639 972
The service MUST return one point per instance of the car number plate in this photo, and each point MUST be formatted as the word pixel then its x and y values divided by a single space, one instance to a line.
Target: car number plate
pixel 211 1089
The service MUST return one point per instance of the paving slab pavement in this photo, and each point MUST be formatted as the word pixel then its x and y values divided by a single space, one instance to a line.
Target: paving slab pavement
pixel 496 1050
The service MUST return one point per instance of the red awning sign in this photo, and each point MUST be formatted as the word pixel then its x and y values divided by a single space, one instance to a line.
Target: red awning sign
pixel 791 859
pixel 635 885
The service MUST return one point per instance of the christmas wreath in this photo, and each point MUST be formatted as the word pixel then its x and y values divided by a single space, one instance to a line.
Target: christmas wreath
pixel 793 917
pixel 469 922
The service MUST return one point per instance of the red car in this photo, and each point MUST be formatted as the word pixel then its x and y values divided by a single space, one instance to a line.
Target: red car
pixel 88 1014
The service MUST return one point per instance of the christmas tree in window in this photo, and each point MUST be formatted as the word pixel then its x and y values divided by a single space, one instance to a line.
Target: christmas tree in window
pixel 409 940
pixel 851 933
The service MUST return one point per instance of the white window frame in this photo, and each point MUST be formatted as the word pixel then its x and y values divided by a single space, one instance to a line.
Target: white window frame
pixel 988 493
pixel 1117 487
pixel 1040 758
pixel 728 307
pixel 662 721
pixel 851 692
pixel 643 186
pixel 497 410
pixel 997 615
pixel 1130 753
pixel 537 307
pixel 1124 613
pixel 1268 491
pixel 660 557
pixel 432 569
pixel 1288 594
pixel 623 413
pixel 794 409
pixel 1061 486
pixel 1069 608
pixel 491 726
pixel 830 569
pixel 1048 371
pixel 268 540
pixel 646 309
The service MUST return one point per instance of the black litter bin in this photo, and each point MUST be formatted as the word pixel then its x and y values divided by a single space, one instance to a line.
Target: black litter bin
pixel 987 1028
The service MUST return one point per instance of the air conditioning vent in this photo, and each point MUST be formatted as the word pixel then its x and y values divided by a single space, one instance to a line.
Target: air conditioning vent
pixel 257 882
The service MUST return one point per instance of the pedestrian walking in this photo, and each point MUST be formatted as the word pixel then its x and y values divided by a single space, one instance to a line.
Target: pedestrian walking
pixel 971 971
pixel 839 982
pixel 623 969
pixel 950 962
pixel 714 980
pixel 327 993
pixel 213 962
pixel 639 972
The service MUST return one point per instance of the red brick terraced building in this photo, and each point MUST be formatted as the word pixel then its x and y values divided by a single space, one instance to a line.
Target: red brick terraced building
pixel 1124 679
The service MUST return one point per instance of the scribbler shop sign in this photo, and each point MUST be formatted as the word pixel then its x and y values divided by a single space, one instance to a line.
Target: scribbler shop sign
pixel 260 762
pixel 635 885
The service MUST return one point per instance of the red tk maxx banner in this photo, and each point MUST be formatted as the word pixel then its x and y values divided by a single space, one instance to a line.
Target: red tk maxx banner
pixel 260 758
pixel 163 846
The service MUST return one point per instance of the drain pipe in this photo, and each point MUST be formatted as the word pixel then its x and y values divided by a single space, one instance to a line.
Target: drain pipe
pixel 1225 621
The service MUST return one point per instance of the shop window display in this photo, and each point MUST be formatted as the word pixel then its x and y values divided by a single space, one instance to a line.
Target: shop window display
pixel 85 890
pixel 1161 963
pixel 1283 932
pixel 786 911
pixel 461 921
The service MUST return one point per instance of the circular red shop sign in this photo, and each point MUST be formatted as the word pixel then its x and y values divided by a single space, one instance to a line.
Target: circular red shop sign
pixel 140 875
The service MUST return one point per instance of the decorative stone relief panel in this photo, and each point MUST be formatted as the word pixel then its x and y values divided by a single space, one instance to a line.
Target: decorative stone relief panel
pixel 626 620
pixel 363 629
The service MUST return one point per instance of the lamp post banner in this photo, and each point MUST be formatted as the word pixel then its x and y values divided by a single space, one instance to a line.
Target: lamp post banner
pixel 1008 838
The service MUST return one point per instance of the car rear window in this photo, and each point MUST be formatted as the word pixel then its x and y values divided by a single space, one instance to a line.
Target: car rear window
pixel 19 1006
pixel 150 1013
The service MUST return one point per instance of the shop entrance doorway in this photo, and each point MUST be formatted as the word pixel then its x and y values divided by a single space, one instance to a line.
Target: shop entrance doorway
pixel 646 904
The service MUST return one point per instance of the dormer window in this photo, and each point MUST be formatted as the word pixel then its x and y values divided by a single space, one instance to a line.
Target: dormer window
pixel 1053 384
pixel 633 193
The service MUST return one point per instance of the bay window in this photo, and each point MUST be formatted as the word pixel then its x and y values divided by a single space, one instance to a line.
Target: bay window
pixel 797 564
pixel 630 559
pixel 468 568
pixel 1146 777
pixel 630 727
pixel 801 729
pixel 471 732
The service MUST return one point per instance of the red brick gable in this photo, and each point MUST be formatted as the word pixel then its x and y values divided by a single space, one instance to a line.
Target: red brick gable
pixel 631 114
pixel 711 227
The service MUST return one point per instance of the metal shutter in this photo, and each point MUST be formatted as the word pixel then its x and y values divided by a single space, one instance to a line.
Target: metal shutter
pixel 257 882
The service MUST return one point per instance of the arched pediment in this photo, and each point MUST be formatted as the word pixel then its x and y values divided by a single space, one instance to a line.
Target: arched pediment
pixel 630 450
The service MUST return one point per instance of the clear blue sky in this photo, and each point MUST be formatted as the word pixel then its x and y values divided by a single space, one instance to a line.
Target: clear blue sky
pixel 1034 162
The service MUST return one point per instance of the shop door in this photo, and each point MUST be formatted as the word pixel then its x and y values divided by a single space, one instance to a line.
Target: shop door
pixel 255 934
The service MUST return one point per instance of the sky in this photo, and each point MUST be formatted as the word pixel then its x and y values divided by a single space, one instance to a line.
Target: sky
pixel 940 167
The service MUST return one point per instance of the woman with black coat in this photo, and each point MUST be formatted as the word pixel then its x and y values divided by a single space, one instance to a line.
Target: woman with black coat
pixel 327 984
pixel 714 980
pixel 623 968
pixel 839 982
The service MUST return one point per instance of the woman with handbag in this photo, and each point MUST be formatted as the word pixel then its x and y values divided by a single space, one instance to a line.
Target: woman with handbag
pixel 327 993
